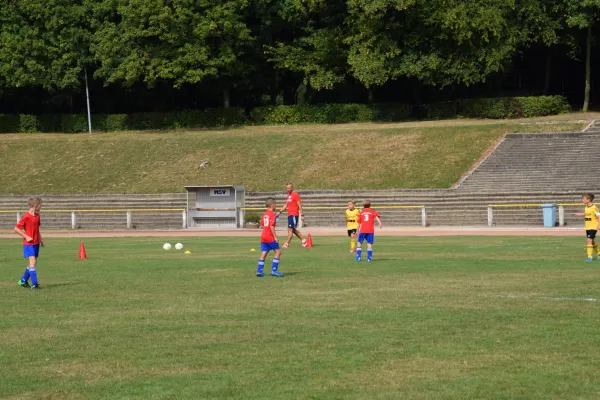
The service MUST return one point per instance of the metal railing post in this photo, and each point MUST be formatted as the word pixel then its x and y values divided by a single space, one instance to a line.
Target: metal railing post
pixel 73 220
pixel 490 216
pixel 561 216
pixel 424 221
pixel 184 216
pixel 18 216
pixel 128 219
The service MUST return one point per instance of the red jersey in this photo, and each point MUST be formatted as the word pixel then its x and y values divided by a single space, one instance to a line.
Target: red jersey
pixel 367 220
pixel 292 203
pixel 267 221
pixel 31 224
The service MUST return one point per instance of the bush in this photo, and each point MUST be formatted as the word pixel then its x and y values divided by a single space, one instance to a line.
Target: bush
pixel 445 110
pixel 513 107
pixel 76 123
pixel 329 113
pixel 495 108
pixel 9 123
pixel 252 218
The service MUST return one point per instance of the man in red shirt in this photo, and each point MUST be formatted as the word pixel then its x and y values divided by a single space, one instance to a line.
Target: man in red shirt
pixel 28 228
pixel 294 208
pixel 366 230
pixel 269 241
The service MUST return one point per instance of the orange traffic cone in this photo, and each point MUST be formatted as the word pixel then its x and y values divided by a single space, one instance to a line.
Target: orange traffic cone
pixel 309 241
pixel 82 255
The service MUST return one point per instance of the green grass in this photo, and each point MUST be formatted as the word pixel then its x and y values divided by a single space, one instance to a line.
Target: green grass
pixel 431 318
pixel 411 155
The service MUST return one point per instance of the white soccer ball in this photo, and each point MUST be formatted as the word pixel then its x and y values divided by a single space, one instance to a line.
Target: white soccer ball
pixel 178 246
pixel 304 242
pixel 167 246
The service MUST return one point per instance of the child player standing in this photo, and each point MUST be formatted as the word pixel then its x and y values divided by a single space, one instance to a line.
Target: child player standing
pixel 592 219
pixel 366 230
pixel 352 215
pixel 269 241
pixel 29 229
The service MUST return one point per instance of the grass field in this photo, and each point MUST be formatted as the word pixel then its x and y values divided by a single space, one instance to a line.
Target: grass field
pixel 431 318
pixel 406 155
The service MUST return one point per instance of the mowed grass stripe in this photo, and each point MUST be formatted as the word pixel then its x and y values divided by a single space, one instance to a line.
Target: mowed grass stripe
pixel 444 318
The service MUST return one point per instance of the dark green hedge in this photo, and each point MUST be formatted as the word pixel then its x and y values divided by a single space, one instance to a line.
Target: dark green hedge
pixel 513 107
pixel 506 107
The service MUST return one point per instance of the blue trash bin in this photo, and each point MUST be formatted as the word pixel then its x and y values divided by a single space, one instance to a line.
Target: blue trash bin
pixel 549 211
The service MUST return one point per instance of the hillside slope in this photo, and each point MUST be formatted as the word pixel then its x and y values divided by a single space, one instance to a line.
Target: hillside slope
pixel 364 156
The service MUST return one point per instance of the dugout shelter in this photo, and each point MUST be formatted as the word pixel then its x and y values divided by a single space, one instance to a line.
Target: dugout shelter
pixel 215 206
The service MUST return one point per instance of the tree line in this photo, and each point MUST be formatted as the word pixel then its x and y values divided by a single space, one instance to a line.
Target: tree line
pixel 154 55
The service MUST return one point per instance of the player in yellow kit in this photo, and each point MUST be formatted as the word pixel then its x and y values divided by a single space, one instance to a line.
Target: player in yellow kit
pixel 592 220
pixel 352 224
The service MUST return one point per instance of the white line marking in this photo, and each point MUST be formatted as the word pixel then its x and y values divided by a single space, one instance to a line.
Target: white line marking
pixel 514 296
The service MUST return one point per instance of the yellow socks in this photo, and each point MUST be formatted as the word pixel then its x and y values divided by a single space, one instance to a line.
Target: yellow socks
pixel 352 244
pixel 590 250
pixel 596 249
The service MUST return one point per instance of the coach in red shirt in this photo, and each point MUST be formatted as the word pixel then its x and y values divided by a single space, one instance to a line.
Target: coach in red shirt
pixel 294 208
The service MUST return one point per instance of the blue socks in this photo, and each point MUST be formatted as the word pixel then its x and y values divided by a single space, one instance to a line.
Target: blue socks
pixel 275 264
pixel 26 275
pixel 358 252
pixel 33 274
pixel 261 266
pixel 369 254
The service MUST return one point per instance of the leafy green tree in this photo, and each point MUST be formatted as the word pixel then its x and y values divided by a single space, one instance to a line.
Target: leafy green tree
pixel 584 14
pixel 184 42
pixel 43 43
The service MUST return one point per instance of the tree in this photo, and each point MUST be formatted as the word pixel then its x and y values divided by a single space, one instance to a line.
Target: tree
pixel 583 14
pixel 43 43
pixel 183 42
pixel 439 42
pixel 315 49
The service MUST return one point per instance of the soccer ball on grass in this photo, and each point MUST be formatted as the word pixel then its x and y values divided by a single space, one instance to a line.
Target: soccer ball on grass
pixel 167 246
pixel 178 246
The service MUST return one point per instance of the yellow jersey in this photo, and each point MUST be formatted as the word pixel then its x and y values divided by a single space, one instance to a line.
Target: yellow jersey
pixel 352 218
pixel 591 218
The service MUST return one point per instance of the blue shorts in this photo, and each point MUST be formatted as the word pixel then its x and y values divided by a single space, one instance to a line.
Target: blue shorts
pixel 292 221
pixel 369 237
pixel 269 246
pixel 31 250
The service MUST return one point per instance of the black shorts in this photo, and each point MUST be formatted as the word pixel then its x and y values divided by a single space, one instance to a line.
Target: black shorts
pixel 591 233
pixel 352 232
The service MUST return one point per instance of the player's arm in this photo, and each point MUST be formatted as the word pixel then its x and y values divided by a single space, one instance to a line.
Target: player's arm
pixel 378 221
pixel 579 214
pixel 282 209
pixel 42 242
pixel 300 210
pixel 274 234
pixel 22 233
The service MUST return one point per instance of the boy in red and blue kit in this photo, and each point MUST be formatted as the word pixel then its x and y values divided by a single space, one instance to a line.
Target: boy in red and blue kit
pixel 366 230
pixel 29 229
pixel 269 241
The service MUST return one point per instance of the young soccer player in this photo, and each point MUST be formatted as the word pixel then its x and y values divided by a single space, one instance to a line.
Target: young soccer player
pixel 352 215
pixel 592 219
pixel 269 241
pixel 294 209
pixel 366 229
pixel 29 229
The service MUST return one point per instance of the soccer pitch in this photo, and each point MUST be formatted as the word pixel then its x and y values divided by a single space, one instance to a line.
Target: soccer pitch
pixel 430 318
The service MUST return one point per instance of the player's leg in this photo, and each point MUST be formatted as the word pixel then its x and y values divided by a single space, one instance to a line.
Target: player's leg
pixel 370 241
pixel 24 281
pixel 261 261
pixel 589 247
pixel 352 234
pixel 275 265
pixel 33 272
pixel 292 221
pixel 298 234
pixel 361 238
pixel 594 245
